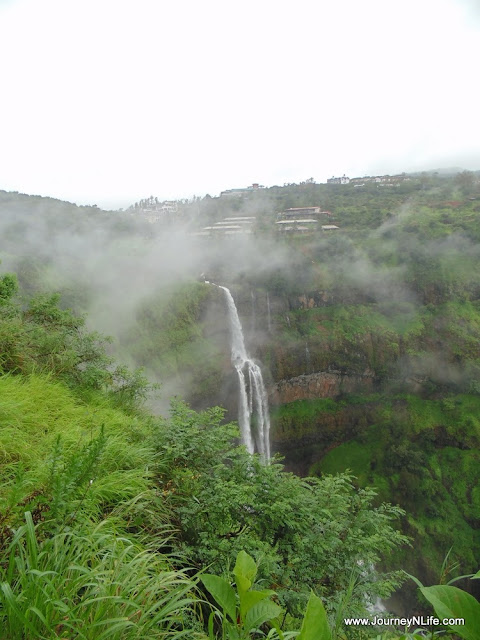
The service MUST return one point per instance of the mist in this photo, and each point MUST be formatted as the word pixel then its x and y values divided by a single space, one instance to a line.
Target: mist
pixel 121 270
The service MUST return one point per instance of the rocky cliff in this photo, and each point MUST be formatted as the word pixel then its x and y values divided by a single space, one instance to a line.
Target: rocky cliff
pixel 322 384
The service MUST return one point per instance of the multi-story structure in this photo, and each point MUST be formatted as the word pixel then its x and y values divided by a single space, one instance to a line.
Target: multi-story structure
pixel 341 180
pixel 386 179
pixel 236 225
pixel 297 225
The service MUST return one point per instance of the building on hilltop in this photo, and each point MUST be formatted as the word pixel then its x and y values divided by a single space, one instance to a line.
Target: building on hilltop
pixel 295 212
pixel 360 182
pixel 242 219
pixel 342 180
pixel 385 179
pixel 300 219
pixel 301 212
pixel 154 211
pixel 297 225
pixel 239 193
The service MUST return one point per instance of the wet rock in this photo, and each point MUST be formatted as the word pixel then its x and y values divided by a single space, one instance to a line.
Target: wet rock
pixel 323 384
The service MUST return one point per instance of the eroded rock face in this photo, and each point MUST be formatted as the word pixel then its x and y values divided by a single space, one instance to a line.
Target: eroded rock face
pixel 323 384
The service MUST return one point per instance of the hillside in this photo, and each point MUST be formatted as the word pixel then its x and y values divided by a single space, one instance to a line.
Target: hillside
pixel 107 514
pixel 369 340
pixel 367 335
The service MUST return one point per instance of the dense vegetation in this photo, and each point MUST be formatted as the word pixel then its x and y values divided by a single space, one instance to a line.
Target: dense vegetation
pixel 109 516
pixel 390 305
pixel 399 308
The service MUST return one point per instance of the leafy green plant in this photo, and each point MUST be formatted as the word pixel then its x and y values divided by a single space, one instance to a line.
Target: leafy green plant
pixel 71 477
pixel 451 604
pixel 315 624
pixel 40 336
pixel 8 287
pixel 307 533
pixel 245 611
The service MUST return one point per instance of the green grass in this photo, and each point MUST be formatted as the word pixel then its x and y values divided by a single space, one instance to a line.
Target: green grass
pixel 347 456
pixel 57 450
pixel 37 409
pixel 94 585
pixel 82 526
pixel 301 417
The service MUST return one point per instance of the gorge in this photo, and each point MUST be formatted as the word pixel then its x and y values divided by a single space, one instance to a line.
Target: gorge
pixel 368 337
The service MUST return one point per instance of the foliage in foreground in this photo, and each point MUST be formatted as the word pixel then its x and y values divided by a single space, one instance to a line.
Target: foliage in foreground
pixel 120 493
pixel 103 512
pixel 243 611
pixel 91 585
pixel 81 528
pixel 311 533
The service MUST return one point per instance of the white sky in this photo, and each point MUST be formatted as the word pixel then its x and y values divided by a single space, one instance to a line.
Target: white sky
pixel 109 101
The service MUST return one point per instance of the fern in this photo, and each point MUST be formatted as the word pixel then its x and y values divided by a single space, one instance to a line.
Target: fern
pixel 71 477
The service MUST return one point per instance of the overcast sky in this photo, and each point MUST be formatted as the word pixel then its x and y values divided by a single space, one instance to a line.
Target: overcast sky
pixel 109 101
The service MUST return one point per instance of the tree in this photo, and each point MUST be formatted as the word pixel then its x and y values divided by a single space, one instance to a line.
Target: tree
pixel 305 534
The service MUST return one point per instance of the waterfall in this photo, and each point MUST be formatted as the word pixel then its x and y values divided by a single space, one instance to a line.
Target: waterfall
pixel 253 415
pixel 377 606
pixel 269 319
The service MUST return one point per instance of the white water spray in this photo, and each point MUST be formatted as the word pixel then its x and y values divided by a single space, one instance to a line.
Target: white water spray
pixel 253 415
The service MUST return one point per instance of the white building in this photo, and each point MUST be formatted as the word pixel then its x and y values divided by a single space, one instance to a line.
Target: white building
pixel 341 180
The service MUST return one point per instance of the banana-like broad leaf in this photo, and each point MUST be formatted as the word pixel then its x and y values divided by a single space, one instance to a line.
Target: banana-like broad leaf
pixel 450 602
pixel 260 613
pixel 245 571
pixel 223 593
pixel 250 598
pixel 315 623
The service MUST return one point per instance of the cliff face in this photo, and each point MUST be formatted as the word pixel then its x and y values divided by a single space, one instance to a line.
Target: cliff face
pixel 370 349
pixel 305 430
pixel 323 384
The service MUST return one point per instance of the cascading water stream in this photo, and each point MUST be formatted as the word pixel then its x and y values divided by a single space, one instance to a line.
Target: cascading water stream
pixel 253 414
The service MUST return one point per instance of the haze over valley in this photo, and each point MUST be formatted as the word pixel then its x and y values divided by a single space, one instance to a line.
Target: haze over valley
pixel 239 320
pixel 357 299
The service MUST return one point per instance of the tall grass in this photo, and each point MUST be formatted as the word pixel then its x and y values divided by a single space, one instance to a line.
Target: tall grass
pixel 82 526
pixel 91 586
pixel 35 409
pixel 51 443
